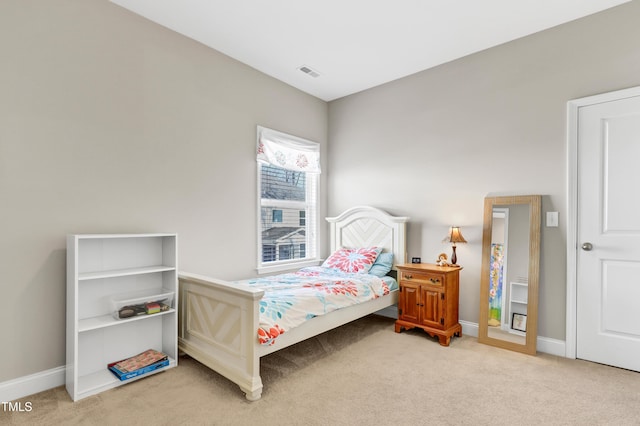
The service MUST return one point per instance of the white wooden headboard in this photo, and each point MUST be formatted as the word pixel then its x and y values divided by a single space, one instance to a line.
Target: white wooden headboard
pixel 365 226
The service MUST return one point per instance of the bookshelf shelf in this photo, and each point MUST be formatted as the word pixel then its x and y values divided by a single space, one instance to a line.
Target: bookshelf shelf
pixel 101 321
pixel 123 272
pixel 103 380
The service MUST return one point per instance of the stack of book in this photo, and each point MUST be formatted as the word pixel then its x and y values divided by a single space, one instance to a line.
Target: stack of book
pixel 149 360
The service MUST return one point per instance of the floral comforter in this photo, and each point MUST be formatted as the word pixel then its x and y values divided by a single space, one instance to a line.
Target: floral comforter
pixel 291 299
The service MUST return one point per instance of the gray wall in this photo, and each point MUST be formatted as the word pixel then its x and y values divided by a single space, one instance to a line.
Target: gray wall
pixel 432 145
pixel 109 123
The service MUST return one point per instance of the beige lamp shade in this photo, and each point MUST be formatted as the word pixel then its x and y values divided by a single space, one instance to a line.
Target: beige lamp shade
pixel 454 237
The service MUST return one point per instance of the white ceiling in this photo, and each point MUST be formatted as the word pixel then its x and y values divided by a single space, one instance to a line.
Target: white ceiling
pixel 356 44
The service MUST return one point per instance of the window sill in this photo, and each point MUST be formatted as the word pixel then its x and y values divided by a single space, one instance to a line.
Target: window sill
pixel 288 266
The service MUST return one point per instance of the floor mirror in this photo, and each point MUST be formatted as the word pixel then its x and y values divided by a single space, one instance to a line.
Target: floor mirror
pixel 510 273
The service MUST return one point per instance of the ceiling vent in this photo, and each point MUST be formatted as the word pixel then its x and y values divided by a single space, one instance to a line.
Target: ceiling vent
pixel 305 69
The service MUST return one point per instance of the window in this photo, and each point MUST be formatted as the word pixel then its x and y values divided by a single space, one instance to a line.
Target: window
pixel 286 252
pixel 268 253
pixel 288 175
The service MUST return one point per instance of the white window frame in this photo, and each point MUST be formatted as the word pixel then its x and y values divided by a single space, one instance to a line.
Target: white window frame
pixel 310 206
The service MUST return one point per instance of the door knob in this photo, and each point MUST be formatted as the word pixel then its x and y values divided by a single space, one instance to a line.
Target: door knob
pixel 587 246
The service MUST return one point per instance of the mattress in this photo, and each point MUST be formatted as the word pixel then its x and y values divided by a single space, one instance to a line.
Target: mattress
pixel 293 298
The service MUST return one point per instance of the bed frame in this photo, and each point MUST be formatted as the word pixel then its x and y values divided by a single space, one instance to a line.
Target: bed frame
pixel 218 320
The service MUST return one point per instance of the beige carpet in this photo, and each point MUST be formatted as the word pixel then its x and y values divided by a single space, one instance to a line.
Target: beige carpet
pixel 365 374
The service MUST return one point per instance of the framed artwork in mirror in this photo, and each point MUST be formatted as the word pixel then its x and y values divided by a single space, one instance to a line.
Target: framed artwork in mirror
pixel 519 322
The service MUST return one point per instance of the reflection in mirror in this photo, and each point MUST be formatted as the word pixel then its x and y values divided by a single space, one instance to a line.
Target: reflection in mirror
pixel 509 283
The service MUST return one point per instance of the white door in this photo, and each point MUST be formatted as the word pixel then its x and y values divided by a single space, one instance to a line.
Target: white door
pixel 608 233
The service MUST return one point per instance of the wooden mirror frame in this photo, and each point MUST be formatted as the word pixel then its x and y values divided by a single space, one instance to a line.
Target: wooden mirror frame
pixel 534 202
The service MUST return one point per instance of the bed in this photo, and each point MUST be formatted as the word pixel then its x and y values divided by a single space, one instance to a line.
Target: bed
pixel 219 320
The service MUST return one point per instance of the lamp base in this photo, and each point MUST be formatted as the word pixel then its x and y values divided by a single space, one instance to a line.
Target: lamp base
pixel 454 258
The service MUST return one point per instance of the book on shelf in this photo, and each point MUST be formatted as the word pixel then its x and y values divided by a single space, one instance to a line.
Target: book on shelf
pixel 137 365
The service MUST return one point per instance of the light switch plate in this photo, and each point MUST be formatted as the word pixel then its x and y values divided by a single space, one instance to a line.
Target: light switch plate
pixel 552 219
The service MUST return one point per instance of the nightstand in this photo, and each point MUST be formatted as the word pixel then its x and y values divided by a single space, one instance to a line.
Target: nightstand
pixel 429 300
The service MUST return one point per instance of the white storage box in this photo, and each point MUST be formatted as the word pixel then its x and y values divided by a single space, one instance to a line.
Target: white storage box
pixel 144 302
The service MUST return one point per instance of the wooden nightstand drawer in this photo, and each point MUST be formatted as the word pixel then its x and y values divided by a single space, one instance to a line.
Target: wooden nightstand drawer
pixel 422 278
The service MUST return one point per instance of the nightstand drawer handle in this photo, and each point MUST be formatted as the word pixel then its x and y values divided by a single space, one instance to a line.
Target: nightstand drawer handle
pixel 434 280
pixel 408 276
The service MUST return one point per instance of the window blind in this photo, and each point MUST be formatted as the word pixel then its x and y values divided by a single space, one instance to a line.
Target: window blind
pixel 287 152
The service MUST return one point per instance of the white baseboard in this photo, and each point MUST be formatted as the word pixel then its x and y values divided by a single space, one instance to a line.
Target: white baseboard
pixel 469 328
pixel 33 383
pixel 552 346
pixel 546 345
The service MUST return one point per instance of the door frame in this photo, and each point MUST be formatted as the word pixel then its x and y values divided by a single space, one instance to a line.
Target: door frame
pixel 573 107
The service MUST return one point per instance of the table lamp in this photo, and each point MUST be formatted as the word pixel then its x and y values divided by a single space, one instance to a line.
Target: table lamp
pixel 455 236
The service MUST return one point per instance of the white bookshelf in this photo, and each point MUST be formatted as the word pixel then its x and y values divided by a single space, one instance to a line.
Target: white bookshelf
pixel 101 268
pixel 518 302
